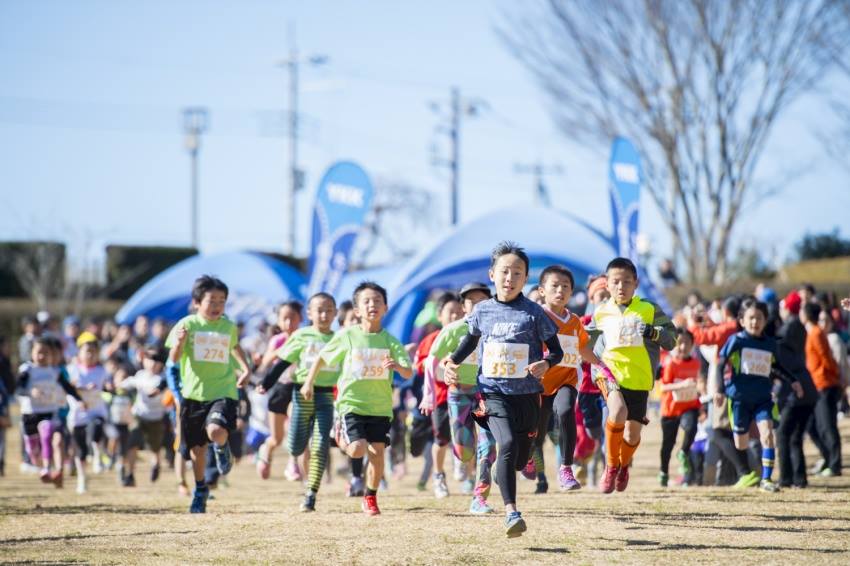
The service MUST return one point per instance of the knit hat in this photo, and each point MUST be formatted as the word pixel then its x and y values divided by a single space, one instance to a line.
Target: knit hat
pixel 597 285
pixel 793 302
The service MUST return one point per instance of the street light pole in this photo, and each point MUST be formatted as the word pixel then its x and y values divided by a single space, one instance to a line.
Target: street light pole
pixel 195 123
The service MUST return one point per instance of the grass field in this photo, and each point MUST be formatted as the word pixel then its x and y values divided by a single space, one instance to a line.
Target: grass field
pixel 258 522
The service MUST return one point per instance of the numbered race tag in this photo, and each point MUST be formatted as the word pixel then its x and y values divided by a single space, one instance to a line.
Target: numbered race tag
pixel 50 396
pixel 688 393
pixel 120 411
pixel 366 363
pixel 311 354
pixel 503 360
pixel 569 344
pixel 756 362
pixel 622 332
pixel 212 347
pixel 91 397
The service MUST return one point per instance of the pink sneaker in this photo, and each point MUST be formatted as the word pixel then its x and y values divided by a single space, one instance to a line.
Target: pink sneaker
pixel 622 479
pixel 293 472
pixel 567 480
pixel 529 472
pixel 606 485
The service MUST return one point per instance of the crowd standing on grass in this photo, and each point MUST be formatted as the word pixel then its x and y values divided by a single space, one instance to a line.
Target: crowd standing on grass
pixel 737 383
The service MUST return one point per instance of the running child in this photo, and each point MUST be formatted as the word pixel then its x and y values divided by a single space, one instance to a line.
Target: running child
pixel 86 420
pixel 560 382
pixel 680 406
pixel 41 389
pixel 368 355
pixel 313 418
pixel 468 446
pixel 629 333
pixel 751 356
pixel 203 344
pixel 511 330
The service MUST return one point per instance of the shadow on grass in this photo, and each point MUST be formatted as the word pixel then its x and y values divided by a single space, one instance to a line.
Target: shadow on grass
pixel 556 550
pixel 88 536
pixel 655 545
pixel 88 509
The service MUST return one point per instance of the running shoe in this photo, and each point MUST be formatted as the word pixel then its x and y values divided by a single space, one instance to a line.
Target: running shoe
pixel 264 463
pixel 663 479
pixel 223 458
pixel 749 480
pixel 441 490
pixel 567 481
pixel 154 473
pixel 514 525
pixel 468 486
pixel 818 467
pixel 129 481
pixel 479 506
pixel 293 472
pixel 606 485
pixel 309 503
pixel 684 463
pixel 529 472
pixel 44 475
pixel 81 484
pixel 827 473
pixel 199 500
pixel 622 479
pixel 541 487
pixel 459 470
pixel 57 478
pixel 370 505
pixel 768 486
pixel 356 488
pixel 421 485
pixel 581 472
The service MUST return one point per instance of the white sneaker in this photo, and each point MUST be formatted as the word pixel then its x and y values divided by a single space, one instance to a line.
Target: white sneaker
pixel 97 465
pixel 81 485
pixel 441 490
pixel 459 470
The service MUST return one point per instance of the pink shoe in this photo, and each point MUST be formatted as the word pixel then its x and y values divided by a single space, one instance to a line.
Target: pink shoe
pixel 567 480
pixel 293 472
pixel 529 472
pixel 622 479
pixel 606 485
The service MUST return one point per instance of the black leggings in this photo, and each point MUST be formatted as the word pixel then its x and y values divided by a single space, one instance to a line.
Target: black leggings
pixel 723 439
pixel 826 421
pixel 789 442
pixel 563 404
pixel 513 421
pixel 670 429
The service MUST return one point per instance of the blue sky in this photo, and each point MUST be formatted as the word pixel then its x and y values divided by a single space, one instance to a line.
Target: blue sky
pixel 91 147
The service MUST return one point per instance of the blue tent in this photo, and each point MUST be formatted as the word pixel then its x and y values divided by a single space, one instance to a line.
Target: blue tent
pixel 548 236
pixel 256 282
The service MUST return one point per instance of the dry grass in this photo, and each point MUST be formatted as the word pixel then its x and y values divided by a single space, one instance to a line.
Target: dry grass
pixel 258 522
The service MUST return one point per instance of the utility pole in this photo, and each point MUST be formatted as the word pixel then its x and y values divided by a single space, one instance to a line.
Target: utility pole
pixel 195 123
pixel 458 107
pixel 296 175
pixel 539 170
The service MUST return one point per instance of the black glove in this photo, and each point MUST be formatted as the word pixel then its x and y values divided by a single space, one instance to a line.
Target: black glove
pixel 649 332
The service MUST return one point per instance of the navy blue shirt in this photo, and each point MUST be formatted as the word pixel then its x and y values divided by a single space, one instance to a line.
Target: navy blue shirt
pixel 512 336
pixel 751 359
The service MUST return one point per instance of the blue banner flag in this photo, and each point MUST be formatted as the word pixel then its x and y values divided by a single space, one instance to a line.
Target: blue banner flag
pixel 624 174
pixel 343 200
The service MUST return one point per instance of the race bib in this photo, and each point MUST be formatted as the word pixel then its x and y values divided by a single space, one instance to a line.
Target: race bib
pixel 91 397
pixel 569 344
pixel 756 362
pixel 311 354
pixel 212 347
pixel 49 395
pixel 688 393
pixel 120 410
pixel 366 363
pixel 622 332
pixel 502 360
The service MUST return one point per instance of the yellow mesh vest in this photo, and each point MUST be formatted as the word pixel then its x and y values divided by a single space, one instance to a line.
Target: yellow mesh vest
pixel 625 353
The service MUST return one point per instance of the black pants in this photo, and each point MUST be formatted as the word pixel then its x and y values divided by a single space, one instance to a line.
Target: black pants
pixel 670 430
pixel 826 419
pixel 563 405
pixel 722 438
pixel 789 440
pixel 513 421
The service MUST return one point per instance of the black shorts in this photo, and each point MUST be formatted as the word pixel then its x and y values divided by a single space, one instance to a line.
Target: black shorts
pixel 196 415
pixel 591 409
pixel 30 422
pixel 148 433
pixel 523 411
pixel 122 432
pixel 421 433
pixel 370 428
pixel 636 403
pixel 86 435
pixel 280 396
pixel 440 425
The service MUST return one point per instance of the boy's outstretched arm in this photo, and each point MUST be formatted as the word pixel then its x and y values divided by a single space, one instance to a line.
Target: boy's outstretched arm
pixel 243 364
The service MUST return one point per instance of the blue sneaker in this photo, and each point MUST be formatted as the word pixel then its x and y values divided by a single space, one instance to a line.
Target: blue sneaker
pixel 479 506
pixel 514 525
pixel 223 458
pixel 199 500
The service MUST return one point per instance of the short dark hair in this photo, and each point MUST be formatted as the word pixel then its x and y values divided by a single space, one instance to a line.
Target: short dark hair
pixel 812 311
pixel 156 353
pixel 808 287
pixel 297 306
pixel 732 305
pixel 206 284
pixel 45 341
pixel 685 332
pixel 508 248
pixel 445 299
pixel 557 269
pixel 322 295
pixel 750 303
pixel 622 263
pixel 344 307
pixel 364 285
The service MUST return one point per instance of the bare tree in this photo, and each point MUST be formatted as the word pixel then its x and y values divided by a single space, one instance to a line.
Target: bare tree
pixel 39 268
pixel 398 210
pixel 697 85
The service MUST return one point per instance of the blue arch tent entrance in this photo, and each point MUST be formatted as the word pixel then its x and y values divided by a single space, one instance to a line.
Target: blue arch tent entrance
pixel 256 282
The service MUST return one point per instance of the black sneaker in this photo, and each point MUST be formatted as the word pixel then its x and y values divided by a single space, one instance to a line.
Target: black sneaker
pixel 309 503
pixel 542 487
pixel 154 474
pixel 129 481
pixel 199 500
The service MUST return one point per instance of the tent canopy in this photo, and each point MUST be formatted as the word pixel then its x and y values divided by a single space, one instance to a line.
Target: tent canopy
pixel 256 283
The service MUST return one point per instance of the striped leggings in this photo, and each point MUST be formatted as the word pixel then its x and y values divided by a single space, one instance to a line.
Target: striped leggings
pixel 312 419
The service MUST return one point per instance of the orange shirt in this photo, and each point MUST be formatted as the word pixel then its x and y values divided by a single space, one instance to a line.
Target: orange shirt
pixel 819 360
pixel 677 369
pixel 573 337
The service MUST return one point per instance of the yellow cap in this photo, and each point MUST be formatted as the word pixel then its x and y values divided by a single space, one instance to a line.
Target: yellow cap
pixel 85 338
